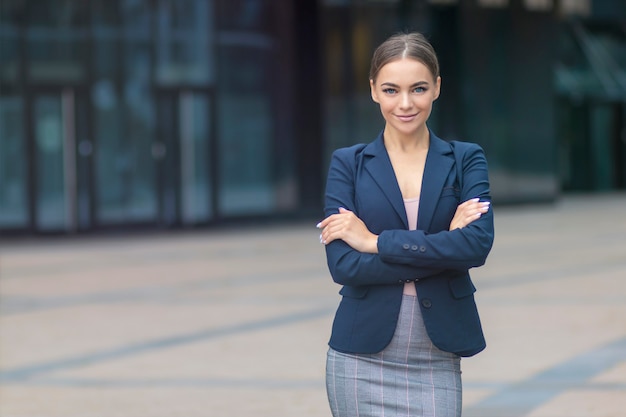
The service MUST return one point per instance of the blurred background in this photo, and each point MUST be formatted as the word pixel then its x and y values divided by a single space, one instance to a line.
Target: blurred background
pixel 190 113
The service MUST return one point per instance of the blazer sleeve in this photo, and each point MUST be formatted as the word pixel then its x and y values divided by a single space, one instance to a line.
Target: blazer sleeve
pixel 460 249
pixel 348 266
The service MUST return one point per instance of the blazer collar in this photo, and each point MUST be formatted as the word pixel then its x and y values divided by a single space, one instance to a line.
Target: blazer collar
pixel 438 165
pixel 439 162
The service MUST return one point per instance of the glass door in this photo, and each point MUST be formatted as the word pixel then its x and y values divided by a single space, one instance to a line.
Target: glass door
pixel 13 172
pixel 185 175
pixel 54 132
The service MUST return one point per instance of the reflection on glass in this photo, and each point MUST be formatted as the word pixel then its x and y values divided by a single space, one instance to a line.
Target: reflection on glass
pixel 245 132
pixel 124 164
pixel 124 116
pixel 184 42
pixel 49 145
pixel 247 15
pixel 13 200
pixel 194 154
pixel 56 39
pixel 9 39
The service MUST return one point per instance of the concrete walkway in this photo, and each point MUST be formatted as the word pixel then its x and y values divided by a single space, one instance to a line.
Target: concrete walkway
pixel 234 323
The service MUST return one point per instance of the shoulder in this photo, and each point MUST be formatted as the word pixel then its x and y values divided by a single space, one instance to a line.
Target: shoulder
pixel 349 152
pixel 465 150
pixel 347 158
pixel 459 145
pixel 372 148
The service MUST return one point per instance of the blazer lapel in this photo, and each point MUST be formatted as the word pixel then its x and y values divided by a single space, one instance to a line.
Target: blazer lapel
pixel 380 168
pixel 436 170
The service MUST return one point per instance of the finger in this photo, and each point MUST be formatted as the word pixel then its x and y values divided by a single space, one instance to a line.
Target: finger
pixel 471 201
pixel 326 221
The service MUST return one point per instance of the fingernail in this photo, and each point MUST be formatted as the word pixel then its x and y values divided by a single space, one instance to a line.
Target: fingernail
pixel 486 203
pixel 318 225
pixel 475 199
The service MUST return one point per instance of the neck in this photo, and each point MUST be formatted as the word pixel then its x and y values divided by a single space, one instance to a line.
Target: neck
pixel 398 141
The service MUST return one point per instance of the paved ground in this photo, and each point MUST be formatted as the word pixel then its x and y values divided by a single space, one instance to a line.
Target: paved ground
pixel 235 322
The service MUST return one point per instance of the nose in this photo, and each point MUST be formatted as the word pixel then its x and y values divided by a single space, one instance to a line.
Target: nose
pixel 405 101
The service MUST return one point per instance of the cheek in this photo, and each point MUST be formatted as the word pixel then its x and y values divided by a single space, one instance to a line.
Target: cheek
pixel 425 102
pixel 386 106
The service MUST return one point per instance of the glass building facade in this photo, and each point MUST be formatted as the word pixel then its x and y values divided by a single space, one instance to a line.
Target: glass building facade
pixel 184 113
pixel 157 112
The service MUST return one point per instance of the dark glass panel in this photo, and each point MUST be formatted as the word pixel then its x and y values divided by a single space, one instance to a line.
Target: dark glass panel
pixel 124 117
pixel 11 17
pixel 246 15
pixel 50 137
pixel 125 172
pixel 195 132
pixel 13 182
pixel 245 131
pixel 56 40
pixel 184 42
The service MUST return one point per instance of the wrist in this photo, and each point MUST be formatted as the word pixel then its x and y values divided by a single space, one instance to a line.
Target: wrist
pixel 373 247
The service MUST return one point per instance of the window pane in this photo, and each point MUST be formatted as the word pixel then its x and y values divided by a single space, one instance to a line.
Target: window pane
pixel 124 113
pixel 184 42
pixel 247 15
pixel 56 37
pixel 10 12
pixel 195 177
pixel 245 131
pixel 13 197
pixel 49 142
pixel 125 173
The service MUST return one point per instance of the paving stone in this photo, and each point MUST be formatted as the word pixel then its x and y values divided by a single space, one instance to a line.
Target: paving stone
pixel 234 322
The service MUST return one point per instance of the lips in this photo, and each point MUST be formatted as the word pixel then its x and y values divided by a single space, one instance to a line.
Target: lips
pixel 406 117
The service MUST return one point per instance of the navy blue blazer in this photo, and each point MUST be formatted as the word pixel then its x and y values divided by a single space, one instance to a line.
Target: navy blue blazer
pixel 361 179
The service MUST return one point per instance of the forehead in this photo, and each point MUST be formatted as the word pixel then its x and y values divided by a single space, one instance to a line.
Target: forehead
pixel 404 70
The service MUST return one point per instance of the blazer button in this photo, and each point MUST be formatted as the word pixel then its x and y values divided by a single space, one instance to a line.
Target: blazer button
pixel 407 281
pixel 422 248
pixel 405 246
pixel 414 247
pixel 427 303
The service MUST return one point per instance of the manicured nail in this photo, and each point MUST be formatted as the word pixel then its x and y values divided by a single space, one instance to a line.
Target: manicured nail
pixel 318 225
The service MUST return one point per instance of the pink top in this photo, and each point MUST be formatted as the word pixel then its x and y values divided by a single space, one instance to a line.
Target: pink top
pixel 411 205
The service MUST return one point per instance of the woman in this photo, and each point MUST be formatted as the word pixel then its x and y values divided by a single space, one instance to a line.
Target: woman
pixel 406 217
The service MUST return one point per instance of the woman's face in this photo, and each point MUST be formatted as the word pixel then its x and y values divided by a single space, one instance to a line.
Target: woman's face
pixel 405 90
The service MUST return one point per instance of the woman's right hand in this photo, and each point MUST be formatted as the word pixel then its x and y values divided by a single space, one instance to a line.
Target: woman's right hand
pixel 467 212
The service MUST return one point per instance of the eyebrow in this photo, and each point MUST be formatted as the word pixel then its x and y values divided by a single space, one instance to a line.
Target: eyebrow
pixel 412 85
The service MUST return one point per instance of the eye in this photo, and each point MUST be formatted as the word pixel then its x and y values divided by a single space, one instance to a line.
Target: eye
pixel 419 90
pixel 389 91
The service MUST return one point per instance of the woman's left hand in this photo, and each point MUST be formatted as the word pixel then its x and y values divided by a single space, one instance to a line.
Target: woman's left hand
pixel 346 226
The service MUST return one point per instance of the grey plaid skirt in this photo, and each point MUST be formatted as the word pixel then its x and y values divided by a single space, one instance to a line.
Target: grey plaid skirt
pixel 410 377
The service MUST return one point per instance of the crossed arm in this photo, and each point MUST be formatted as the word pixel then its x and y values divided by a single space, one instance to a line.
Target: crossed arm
pixel 346 226
pixel 357 256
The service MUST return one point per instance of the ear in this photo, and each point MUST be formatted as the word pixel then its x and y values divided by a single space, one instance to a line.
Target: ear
pixel 373 91
pixel 437 88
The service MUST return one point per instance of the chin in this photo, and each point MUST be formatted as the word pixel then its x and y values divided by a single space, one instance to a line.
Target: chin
pixel 408 130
